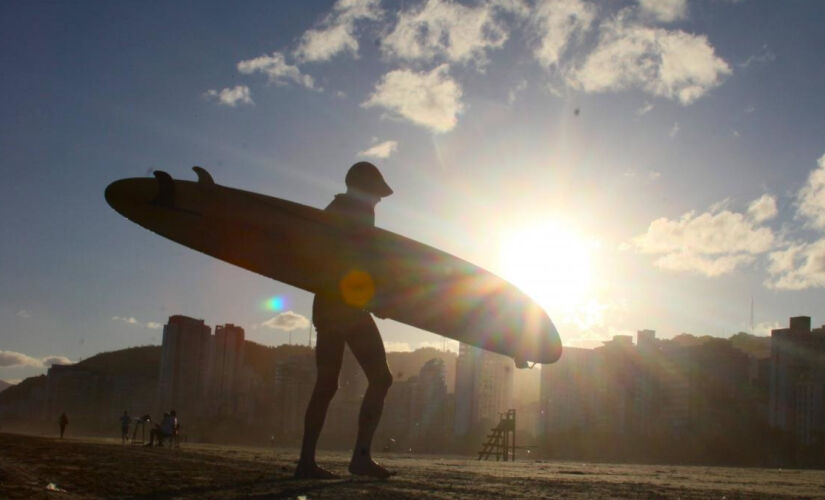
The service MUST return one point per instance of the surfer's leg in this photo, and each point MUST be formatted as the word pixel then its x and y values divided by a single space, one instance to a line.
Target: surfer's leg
pixel 368 349
pixel 329 352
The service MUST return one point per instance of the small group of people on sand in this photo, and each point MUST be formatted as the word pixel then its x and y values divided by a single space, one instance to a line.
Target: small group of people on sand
pixel 168 428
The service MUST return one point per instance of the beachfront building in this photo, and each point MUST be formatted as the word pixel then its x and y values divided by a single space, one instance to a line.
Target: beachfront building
pixel 797 380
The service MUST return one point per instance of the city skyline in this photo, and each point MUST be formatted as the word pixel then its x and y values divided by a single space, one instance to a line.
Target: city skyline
pixel 629 165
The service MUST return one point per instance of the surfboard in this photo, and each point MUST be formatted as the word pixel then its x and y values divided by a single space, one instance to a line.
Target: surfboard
pixel 390 275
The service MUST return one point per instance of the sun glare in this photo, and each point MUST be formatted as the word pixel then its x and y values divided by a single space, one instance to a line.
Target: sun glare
pixel 551 263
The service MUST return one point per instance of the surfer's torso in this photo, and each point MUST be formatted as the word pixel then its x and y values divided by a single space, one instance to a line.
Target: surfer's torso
pixel 330 309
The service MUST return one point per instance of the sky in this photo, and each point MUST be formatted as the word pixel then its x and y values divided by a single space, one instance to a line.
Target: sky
pixel 650 164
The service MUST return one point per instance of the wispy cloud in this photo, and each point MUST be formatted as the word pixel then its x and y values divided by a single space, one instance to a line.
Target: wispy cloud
pixel 555 24
pixel 812 197
pixel 674 130
pixel 801 264
pixel 513 93
pixel 397 347
pixel 11 359
pixel 666 11
pixel 645 109
pixel 131 320
pixel 430 99
pixel 336 33
pixel 381 150
pixel 287 321
pixel 277 70
pixel 762 57
pixel 22 313
pixel 230 97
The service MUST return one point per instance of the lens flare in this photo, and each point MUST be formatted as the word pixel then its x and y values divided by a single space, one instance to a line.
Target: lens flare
pixel 275 303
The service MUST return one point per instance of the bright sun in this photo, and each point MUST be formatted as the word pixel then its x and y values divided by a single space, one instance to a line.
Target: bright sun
pixel 552 263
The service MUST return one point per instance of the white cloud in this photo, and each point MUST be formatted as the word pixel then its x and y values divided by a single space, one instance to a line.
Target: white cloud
pixel 674 130
pixel 665 11
pixel 811 197
pixel 382 150
pixel 653 175
pixel 432 100
pixel 556 23
pixel 763 209
pixel 336 33
pixel 56 360
pixel 797 267
pixel 764 328
pixel 22 313
pixel 397 347
pixel 451 345
pixel 10 359
pixel 712 243
pixel 287 321
pixel 230 97
pixel 665 63
pixel 131 320
pixel 450 31
pixel 277 70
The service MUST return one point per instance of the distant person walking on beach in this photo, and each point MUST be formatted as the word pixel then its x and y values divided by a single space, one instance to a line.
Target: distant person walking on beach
pixel 125 420
pixel 63 421
pixel 343 321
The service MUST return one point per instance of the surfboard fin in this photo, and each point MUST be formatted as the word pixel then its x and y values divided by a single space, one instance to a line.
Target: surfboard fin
pixel 166 189
pixel 203 176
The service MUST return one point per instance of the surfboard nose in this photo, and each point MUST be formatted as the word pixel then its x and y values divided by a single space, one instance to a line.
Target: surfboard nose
pixel 129 196
pixel 117 194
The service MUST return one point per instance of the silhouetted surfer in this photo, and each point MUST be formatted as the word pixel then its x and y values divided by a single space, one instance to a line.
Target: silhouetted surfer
pixel 341 321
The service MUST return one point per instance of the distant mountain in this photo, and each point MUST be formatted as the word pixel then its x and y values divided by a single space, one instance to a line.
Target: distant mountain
pixel 21 391
pixel 142 361
pixel 753 345
pixel 4 385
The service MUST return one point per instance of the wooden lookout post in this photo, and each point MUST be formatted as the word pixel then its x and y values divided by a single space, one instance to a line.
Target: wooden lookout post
pixel 501 441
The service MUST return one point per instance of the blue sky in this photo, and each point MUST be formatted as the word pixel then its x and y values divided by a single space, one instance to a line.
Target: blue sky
pixel 630 164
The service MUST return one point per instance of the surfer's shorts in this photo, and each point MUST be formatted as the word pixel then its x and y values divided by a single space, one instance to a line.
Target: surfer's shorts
pixel 341 321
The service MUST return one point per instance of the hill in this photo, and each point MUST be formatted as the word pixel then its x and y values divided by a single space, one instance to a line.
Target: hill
pixel 141 361
pixel 752 345
pixel 4 385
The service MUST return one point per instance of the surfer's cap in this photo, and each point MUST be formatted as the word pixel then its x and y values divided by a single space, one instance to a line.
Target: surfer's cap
pixel 364 176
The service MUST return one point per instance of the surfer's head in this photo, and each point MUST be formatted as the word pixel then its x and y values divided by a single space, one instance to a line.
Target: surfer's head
pixel 364 177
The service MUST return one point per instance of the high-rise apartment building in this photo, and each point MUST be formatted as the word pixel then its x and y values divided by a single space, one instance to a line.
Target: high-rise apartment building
pixel 483 388
pixel 184 360
pixel 797 380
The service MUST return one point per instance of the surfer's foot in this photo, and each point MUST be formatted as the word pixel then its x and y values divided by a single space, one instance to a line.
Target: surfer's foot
pixel 312 471
pixel 367 467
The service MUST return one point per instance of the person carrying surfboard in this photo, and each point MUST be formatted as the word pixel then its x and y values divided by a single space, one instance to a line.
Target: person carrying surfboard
pixel 339 321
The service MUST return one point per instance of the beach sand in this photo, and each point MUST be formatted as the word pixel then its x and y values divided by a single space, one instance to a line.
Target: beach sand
pixel 96 468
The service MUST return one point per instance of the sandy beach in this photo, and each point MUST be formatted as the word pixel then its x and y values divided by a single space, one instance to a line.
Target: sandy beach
pixel 41 467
